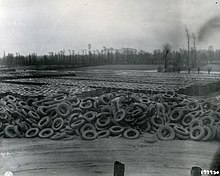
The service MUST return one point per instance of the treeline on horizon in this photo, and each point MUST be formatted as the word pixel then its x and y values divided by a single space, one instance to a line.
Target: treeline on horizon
pixel 177 59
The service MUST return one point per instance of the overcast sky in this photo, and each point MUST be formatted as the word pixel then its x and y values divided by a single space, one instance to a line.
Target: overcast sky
pixel 52 25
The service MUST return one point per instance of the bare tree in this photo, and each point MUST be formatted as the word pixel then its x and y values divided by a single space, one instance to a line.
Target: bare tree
pixel 188 44
pixel 211 53
pixel 166 51
pixel 89 48
pixel 194 50
pixel 70 52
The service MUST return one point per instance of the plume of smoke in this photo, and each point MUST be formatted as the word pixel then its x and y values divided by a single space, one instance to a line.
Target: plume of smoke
pixel 211 26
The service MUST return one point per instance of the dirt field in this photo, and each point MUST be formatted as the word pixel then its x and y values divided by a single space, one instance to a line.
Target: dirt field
pixel 215 67
pixel 119 67
pixel 25 157
pixel 204 69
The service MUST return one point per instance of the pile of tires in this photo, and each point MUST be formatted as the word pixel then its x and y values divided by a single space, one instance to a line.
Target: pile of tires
pixel 20 90
pixel 192 84
pixel 117 114
pixel 105 84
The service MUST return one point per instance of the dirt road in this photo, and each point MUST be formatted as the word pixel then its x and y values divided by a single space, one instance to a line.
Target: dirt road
pixel 36 157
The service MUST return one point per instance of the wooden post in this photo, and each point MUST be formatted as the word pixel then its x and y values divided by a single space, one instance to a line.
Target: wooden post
pixel 119 169
pixel 196 171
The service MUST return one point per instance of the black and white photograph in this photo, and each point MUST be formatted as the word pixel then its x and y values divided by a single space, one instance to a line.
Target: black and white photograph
pixel 109 87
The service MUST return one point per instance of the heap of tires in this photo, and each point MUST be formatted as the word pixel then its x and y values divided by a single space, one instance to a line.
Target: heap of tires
pixel 118 114
pixel 20 90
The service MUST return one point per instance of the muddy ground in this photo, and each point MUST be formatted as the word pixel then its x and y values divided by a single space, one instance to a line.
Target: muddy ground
pixel 36 157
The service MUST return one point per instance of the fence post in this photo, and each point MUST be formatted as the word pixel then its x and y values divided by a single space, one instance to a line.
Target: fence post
pixel 119 169
pixel 196 171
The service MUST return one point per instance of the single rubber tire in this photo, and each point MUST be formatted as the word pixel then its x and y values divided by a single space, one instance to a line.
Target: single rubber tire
pixel 156 121
pixel 44 122
pixel 192 106
pixel 169 135
pixel 87 126
pixel 104 134
pixel 46 133
pixel 119 115
pixel 216 116
pixel 214 131
pixel 116 130
pixel 90 116
pixel 32 132
pixel 89 135
pixel 9 132
pixel 34 115
pixel 176 115
pixel 78 123
pixel 187 119
pixel 86 105
pixel 195 122
pixel 131 134
pixel 207 120
pixel 137 113
pixel 57 124
pixel 208 134
pixel 180 130
pixel 63 110
pixel 19 132
pixel 103 120
pixel 182 137
pixel 197 136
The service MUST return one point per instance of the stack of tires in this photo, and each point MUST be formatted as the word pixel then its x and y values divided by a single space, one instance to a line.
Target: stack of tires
pixel 129 115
